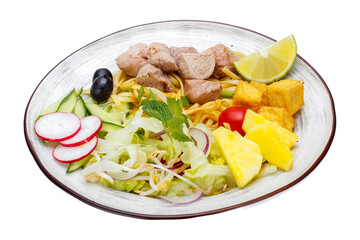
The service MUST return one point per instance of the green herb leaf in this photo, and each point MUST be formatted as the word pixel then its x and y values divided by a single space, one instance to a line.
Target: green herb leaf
pixel 152 95
pixel 174 106
pixel 141 91
pixel 175 127
pixel 185 101
pixel 180 136
pixel 144 101
pixel 158 110
pixel 170 115
pixel 185 119
pixel 140 133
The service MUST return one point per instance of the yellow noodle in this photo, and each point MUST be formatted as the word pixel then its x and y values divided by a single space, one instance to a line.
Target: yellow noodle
pixel 125 94
pixel 127 84
pixel 207 113
pixel 229 89
pixel 197 117
pixel 203 117
pixel 230 73
pixel 115 99
pixel 209 122
pixel 180 81
pixel 173 80
pixel 116 81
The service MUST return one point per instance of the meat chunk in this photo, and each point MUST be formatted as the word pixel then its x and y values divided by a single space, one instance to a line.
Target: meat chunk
pixel 224 57
pixel 202 91
pixel 176 51
pixel 133 59
pixel 159 55
pixel 151 76
pixel 196 66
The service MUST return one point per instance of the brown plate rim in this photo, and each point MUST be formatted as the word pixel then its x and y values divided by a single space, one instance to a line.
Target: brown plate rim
pixel 181 216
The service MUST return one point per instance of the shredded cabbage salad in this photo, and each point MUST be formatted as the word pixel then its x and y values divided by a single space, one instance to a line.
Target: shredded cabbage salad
pixel 134 159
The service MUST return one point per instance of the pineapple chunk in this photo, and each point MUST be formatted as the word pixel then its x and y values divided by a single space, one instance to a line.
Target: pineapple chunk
pixel 247 96
pixel 252 119
pixel 286 93
pixel 278 115
pixel 242 156
pixel 272 148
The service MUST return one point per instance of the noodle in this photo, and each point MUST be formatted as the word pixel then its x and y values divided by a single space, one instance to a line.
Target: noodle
pixel 126 90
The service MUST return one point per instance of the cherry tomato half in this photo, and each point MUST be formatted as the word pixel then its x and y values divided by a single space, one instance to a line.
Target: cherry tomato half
pixel 234 116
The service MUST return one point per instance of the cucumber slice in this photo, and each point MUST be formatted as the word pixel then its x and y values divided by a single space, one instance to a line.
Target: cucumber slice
pixel 76 165
pixel 108 108
pixel 79 92
pixel 68 103
pixel 80 109
pixel 52 107
pixel 110 127
pixel 94 109
pixel 116 111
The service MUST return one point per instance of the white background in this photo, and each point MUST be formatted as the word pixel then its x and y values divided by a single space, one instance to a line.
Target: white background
pixel 36 35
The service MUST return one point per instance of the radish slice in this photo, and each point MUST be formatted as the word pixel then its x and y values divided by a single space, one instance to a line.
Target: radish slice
pixel 201 138
pixel 73 154
pixel 187 199
pixel 119 172
pixel 90 126
pixel 57 126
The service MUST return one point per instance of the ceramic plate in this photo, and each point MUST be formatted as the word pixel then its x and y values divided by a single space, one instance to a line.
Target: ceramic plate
pixel 315 122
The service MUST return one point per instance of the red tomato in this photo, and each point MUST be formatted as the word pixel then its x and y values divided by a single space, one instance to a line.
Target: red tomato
pixel 234 116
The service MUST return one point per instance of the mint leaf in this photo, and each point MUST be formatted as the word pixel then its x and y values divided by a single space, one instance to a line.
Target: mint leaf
pixel 175 128
pixel 185 101
pixel 152 95
pixel 180 136
pixel 144 101
pixel 170 115
pixel 174 106
pixel 158 110
pixel 185 119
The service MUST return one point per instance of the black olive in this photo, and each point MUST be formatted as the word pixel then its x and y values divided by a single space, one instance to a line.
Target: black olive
pixel 102 72
pixel 101 88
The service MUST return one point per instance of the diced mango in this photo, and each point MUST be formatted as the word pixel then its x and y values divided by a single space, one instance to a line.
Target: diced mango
pixel 286 93
pixel 278 115
pixel 252 119
pixel 272 148
pixel 242 156
pixel 247 96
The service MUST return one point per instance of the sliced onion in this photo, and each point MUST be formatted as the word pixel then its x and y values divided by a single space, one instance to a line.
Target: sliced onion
pixel 107 177
pixel 119 172
pixel 187 199
pixel 201 138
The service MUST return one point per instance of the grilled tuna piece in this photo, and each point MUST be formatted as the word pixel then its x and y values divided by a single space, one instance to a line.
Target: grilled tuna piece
pixel 159 55
pixel 202 91
pixel 133 59
pixel 152 76
pixel 196 66
pixel 224 57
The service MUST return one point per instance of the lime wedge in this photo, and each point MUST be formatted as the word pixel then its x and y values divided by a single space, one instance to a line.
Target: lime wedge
pixel 269 64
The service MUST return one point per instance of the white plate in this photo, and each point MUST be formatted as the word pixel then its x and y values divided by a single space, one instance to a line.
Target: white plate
pixel 315 122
